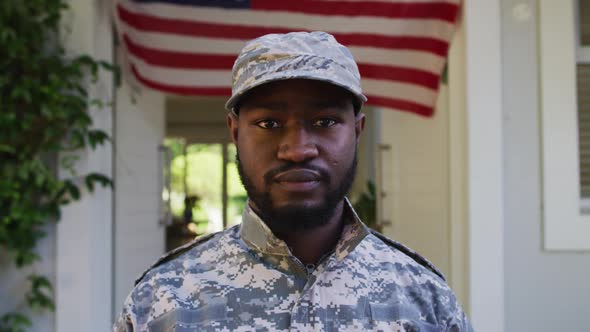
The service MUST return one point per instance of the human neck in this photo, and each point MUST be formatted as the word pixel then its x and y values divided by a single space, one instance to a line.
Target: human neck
pixel 310 245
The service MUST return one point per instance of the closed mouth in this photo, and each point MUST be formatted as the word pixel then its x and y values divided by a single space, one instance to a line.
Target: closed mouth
pixel 298 175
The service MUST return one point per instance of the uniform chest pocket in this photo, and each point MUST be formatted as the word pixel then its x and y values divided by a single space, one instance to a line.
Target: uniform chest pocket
pixel 183 320
pixel 402 317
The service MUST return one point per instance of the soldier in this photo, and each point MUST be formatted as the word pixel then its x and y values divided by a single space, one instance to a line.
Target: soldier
pixel 301 260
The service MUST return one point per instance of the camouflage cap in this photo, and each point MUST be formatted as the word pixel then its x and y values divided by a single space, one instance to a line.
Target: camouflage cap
pixel 308 55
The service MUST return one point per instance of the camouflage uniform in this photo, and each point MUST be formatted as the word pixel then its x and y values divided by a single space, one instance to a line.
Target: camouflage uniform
pixel 246 279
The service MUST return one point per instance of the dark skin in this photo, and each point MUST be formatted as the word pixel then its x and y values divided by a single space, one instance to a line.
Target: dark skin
pixel 303 122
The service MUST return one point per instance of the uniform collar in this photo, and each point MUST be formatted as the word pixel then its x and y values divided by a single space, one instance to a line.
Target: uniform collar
pixel 259 238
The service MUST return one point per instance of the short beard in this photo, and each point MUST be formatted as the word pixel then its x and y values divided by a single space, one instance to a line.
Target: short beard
pixel 296 218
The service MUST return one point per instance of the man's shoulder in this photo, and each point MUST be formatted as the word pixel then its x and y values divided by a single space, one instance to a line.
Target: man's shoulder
pixel 419 279
pixel 415 257
pixel 190 250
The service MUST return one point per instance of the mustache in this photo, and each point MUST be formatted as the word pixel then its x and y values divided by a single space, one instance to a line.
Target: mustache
pixel 269 176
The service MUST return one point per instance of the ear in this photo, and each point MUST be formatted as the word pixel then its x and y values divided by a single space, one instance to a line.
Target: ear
pixel 232 125
pixel 359 125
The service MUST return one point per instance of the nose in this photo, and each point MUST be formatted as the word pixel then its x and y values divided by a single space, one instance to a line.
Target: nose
pixel 297 145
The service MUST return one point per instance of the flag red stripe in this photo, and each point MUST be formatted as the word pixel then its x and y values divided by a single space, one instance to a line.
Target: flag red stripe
pixel 214 61
pixel 399 104
pixel 227 31
pixel 181 90
pixel 425 44
pixel 179 59
pixel 433 10
pixel 400 74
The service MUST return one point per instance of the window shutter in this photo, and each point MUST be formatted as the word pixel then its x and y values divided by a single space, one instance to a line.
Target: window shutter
pixel 583 86
pixel 583 77
pixel 584 17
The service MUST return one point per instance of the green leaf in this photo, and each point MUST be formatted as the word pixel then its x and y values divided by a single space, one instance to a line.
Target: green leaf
pixel 73 190
pixel 93 178
pixel 40 295
pixel 444 76
pixel 97 103
pixel 97 137
pixel 77 138
pixel 89 183
pixel 68 162
pixel 6 148
pixel 25 257
pixel 14 322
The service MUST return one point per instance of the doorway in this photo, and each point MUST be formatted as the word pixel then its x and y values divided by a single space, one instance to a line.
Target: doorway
pixel 204 191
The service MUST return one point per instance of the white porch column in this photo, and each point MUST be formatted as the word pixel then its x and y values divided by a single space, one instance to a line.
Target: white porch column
pixel 483 87
pixel 84 233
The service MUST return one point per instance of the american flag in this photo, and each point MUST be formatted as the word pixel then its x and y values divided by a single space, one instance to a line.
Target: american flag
pixel 187 47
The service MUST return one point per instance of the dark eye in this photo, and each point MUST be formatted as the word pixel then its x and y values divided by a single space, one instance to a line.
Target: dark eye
pixel 324 123
pixel 268 124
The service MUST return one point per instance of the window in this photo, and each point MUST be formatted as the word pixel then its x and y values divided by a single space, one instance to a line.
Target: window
pixel 565 179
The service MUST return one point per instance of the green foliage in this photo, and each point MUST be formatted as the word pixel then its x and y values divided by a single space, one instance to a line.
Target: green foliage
pixel 40 295
pixel 444 76
pixel 176 146
pixel 43 114
pixel 14 322
pixel 204 179
pixel 366 206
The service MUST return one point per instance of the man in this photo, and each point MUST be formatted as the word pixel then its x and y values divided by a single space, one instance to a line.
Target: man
pixel 301 259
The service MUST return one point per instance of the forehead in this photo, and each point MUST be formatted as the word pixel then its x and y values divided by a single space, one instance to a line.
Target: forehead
pixel 297 91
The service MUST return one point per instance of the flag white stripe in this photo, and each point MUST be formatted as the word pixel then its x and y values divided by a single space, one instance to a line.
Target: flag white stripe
pixel 183 77
pixel 399 90
pixel 178 43
pixel 400 58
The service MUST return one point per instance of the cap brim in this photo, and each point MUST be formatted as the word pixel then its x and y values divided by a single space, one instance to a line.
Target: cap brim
pixel 281 76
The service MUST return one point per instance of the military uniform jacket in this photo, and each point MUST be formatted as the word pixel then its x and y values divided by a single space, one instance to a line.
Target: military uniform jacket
pixel 246 279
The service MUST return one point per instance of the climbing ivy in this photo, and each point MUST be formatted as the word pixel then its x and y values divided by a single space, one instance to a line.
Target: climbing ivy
pixel 44 103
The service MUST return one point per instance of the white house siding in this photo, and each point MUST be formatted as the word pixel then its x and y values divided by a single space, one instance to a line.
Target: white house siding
pixel 544 291
pixel 138 236
pixel 416 180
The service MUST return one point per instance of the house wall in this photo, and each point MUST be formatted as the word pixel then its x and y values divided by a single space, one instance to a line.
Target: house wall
pixel 544 291
pixel 415 177
pixel 138 236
